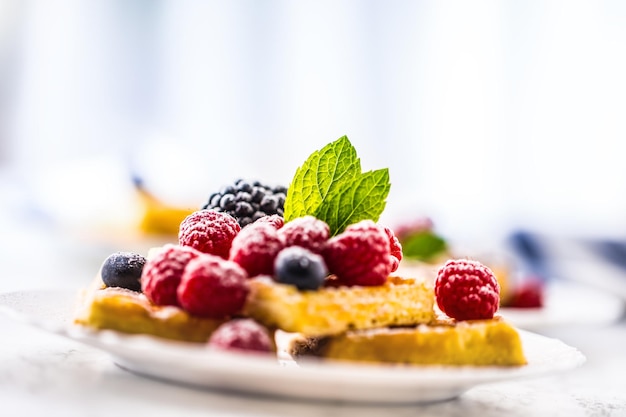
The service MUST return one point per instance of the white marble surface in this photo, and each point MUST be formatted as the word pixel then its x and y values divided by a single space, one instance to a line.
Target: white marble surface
pixel 46 375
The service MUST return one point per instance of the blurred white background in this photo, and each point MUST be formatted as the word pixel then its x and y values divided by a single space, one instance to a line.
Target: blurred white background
pixel 491 115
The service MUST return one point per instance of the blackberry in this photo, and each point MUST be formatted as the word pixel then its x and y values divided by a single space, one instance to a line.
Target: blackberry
pixel 248 201
pixel 123 269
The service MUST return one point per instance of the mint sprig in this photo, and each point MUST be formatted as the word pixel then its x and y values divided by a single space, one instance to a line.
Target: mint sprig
pixel 330 186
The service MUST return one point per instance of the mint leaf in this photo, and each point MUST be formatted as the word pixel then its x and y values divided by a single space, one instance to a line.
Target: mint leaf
pixel 361 199
pixel 423 246
pixel 330 186
pixel 320 175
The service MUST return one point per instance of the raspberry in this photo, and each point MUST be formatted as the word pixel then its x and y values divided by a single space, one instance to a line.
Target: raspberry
pixel 307 232
pixel 255 249
pixel 467 290
pixel 212 287
pixel 527 294
pixel 248 201
pixel 360 255
pixel 162 273
pixel 209 232
pixel 274 220
pixel 242 334
pixel 416 225
pixel 395 248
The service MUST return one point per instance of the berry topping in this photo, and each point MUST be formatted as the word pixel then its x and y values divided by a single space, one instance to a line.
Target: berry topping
pixel 212 287
pixel 274 220
pixel 300 267
pixel 209 232
pixel 162 273
pixel 527 294
pixel 248 201
pixel 360 255
pixel 255 249
pixel 395 248
pixel 414 226
pixel 467 290
pixel 123 269
pixel 242 334
pixel 307 232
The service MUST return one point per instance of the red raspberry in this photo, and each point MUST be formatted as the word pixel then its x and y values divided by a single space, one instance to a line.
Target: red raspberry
pixel 395 248
pixel 360 255
pixel 527 294
pixel 255 249
pixel 209 232
pixel 242 334
pixel 212 287
pixel 273 220
pixel 414 226
pixel 162 272
pixel 307 232
pixel 467 290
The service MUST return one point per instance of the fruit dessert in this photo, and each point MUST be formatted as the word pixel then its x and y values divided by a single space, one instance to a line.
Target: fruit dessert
pixel 312 261
pixel 188 291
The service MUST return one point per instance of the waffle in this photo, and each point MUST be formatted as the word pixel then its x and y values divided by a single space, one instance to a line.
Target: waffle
pixel 335 310
pixel 131 312
pixel 443 342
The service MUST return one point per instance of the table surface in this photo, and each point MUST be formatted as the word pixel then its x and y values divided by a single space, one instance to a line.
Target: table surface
pixel 45 374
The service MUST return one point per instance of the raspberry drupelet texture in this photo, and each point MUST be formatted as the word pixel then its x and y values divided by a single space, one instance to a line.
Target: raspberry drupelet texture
pixel 467 290
pixel 307 232
pixel 395 248
pixel 212 287
pixel 242 335
pixel 360 255
pixel 209 232
pixel 162 273
pixel 274 220
pixel 255 249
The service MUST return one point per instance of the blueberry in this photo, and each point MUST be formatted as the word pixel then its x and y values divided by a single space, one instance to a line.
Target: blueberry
pixel 300 267
pixel 123 269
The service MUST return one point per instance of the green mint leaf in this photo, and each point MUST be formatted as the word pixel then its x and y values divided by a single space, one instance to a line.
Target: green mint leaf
pixel 423 246
pixel 320 176
pixel 330 186
pixel 362 198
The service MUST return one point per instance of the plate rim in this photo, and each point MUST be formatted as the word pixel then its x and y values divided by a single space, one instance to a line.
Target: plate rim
pixel 441 382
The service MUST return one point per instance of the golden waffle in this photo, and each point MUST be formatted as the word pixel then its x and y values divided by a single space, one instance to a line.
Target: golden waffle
pixel 445 342
pixel 334 310
pixel 131 312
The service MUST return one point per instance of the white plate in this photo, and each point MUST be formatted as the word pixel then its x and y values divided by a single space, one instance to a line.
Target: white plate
pixel 567 303
pixel 194 365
